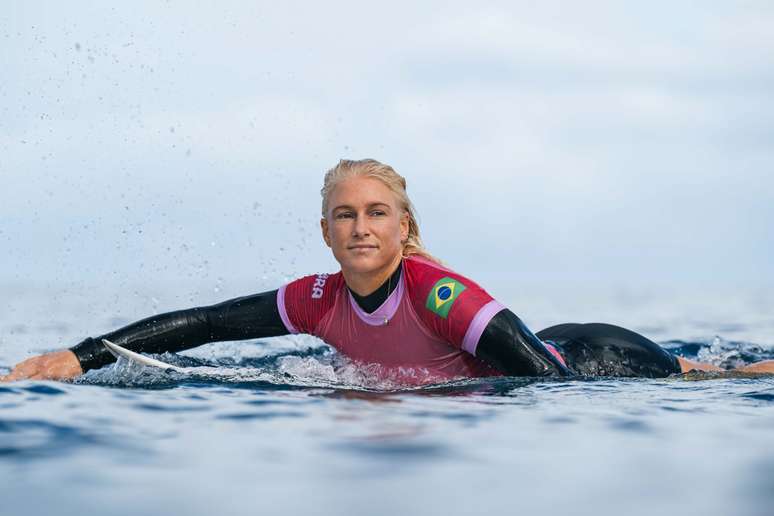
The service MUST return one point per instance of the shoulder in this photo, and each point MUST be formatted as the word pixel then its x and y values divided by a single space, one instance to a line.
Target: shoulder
pixel 424 274
pixel 433 286
pixel 451 306
pixel 303 302
pixel 315 286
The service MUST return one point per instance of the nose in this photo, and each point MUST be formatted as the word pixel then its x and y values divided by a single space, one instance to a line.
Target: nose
pixel 360 228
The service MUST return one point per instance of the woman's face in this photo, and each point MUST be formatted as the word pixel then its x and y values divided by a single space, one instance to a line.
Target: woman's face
pixel 364 227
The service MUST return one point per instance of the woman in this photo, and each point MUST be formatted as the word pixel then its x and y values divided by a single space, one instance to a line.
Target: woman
pixel 392 304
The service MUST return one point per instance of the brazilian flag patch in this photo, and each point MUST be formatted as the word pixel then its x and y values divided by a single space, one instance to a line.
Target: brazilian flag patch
pixel 442 296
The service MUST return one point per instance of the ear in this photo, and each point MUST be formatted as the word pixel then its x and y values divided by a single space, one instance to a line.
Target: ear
pixel 404 227
pixel 326 236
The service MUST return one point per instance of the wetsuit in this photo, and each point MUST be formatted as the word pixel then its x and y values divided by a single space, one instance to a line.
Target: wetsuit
pixel 448 325
pixel 598 349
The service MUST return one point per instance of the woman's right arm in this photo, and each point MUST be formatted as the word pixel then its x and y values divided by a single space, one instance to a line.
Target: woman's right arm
pixel 248 317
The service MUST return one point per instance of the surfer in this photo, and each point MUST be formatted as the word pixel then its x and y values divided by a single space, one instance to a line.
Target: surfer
pixel 392 304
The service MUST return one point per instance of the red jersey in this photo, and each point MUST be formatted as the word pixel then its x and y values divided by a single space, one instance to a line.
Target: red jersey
pixel 427 329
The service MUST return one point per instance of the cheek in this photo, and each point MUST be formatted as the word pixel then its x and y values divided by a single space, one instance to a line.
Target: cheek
pixel 339 232
pixel 393 232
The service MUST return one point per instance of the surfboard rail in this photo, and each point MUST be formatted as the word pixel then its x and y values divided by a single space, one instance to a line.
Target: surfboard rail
pixel 119 352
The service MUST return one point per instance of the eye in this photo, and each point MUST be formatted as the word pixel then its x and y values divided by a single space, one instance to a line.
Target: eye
pixel 377 213
pixel 344 215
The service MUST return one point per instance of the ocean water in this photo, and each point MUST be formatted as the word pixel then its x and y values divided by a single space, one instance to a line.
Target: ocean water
pixel 285 426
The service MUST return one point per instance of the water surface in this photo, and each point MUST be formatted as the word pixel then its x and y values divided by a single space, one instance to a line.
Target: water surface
pixel 289 428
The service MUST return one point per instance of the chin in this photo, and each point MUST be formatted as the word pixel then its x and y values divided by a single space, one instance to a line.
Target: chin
pixel 364 264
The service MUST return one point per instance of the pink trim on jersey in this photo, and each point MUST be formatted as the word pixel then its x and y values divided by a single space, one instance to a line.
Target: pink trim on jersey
pixel 478 324
pixel 554 352
pixel 385 312
pixel 283 311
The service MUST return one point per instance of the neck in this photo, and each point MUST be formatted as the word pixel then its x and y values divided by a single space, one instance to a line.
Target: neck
pixel 371 303
pixel 363 284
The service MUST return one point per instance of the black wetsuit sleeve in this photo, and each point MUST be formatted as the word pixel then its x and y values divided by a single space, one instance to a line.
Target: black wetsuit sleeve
pixel 248 317
pixel 509 346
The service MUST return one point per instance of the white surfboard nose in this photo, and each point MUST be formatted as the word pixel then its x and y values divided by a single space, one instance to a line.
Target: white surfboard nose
pixel 119 352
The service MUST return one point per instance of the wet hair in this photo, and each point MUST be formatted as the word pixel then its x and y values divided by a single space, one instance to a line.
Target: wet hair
pixel 347 168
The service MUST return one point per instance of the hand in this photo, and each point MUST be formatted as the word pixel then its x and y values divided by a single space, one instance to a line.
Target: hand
pixel 59 365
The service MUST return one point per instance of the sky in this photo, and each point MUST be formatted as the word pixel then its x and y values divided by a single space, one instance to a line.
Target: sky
pixel 548 143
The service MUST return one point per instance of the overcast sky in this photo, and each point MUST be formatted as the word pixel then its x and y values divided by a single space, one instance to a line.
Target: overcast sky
pixel 543 142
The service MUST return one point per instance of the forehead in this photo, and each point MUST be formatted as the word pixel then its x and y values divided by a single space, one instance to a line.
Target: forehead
pixel 359 190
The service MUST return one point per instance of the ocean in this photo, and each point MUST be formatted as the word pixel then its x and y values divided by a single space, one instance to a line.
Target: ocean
pixel 289 427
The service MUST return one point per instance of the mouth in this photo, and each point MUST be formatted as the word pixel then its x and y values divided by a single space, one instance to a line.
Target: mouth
pixel 360 247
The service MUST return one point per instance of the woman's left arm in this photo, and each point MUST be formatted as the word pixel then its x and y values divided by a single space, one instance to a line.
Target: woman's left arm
pixel 508 345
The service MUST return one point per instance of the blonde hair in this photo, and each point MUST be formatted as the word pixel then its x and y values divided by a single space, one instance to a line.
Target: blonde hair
pixel 347 168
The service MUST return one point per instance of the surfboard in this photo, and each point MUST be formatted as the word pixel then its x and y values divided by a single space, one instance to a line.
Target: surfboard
pixel 119 352
pixel 208 371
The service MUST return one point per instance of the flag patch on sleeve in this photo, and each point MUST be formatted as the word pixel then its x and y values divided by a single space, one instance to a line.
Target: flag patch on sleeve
pixel 442 296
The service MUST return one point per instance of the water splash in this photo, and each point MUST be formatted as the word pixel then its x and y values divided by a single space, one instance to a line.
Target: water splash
pixel 718 351
pixel 310 364
pixel 315 367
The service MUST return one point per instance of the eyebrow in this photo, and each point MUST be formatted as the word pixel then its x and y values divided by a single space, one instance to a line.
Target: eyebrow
pixel 369 205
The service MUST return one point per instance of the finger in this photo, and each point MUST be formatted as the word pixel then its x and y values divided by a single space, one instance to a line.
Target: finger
pixel 19 373
pixel 25 369
pixel 12 376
